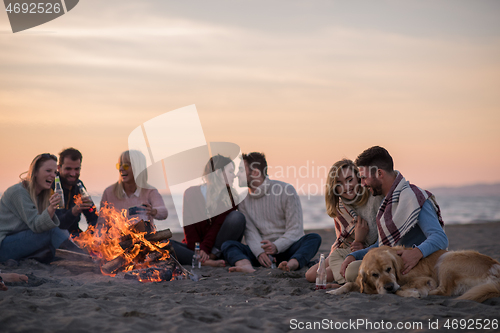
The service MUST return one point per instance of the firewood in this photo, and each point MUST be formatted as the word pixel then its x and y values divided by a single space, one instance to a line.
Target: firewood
pixel 156 237
pixel 77 267
pixel 113 265
pixel 71 255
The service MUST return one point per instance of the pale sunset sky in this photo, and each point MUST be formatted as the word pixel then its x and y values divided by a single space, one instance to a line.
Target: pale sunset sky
pixel 306 82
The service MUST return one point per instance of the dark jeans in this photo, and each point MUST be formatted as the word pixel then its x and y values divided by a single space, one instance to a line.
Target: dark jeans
pixel 26 243
pixel 302 250
pixel 232 229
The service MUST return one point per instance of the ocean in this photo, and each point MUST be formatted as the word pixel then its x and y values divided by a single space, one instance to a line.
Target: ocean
pixel 455 209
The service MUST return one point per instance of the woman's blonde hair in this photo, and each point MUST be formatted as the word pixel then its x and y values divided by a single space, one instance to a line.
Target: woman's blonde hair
pixel 41 200
pixel 332 197
pixel 217 190
pixel 137 162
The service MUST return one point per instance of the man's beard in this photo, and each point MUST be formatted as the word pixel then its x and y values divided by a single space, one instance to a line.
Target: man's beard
pixel 376 189
pixel 67 183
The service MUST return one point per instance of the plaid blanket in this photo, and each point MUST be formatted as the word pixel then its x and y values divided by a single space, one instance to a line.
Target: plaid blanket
pixel 345 223
pixel 399 211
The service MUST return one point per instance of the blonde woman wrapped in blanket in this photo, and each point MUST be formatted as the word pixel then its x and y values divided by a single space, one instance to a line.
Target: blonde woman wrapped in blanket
pixel 354 212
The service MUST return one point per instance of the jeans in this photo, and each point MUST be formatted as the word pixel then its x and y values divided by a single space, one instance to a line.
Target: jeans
pixel 26 243
pixel 181 252
pixel 302 250
pixel 232 229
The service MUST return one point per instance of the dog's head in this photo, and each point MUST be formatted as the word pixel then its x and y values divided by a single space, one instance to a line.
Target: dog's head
pixel 379 271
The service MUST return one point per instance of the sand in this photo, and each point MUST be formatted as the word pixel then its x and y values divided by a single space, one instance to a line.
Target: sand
pixel 60 300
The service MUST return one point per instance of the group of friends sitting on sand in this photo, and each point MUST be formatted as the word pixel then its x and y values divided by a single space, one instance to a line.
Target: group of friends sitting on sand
pixel 371 204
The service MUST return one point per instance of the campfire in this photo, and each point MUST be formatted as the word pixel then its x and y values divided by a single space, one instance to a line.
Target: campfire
pixel 123 245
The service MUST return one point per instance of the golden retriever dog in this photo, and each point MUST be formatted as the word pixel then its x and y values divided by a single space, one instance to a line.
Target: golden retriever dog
pixel 470 274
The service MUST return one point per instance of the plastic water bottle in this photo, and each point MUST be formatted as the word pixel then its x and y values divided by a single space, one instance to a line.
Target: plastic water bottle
pixel 321 274
pixel 86 196
pixel 59 190
pixel 196 263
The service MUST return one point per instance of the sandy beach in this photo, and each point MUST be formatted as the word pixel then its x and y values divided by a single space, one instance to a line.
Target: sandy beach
pixel 60 300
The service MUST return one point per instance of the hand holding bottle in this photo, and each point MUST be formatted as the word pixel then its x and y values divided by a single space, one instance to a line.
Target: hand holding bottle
pixel 203 256
pixel 87 203
pixel 54 201
pixel 78 209
pixel 264 260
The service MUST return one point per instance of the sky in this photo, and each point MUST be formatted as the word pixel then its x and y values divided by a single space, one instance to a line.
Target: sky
pixel 305 82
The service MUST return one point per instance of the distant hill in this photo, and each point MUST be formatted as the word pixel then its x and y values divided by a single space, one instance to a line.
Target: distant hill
pixel 475 190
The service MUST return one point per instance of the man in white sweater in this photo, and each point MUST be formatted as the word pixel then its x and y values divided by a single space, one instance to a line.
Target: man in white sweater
pixel 274 225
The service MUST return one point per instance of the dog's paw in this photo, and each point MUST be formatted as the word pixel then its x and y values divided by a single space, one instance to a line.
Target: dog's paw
pixel 437 291
pixel 339 291
pixel 409 293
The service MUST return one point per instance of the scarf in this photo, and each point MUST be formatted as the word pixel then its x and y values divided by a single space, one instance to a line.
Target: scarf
pixel 399 211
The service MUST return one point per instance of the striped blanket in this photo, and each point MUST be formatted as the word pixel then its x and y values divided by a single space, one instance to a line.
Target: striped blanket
pixel 399 211
pixel 345 223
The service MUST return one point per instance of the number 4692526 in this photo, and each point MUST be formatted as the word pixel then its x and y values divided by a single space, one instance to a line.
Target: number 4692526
pixel 34 8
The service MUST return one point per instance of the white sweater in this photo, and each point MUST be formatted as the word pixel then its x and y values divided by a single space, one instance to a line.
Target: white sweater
pixel 272 212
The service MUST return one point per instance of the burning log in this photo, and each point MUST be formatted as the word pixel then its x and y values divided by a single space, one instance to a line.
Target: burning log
pixel 130 245
pixel 150 274
pixel 111 266
pixel 156 237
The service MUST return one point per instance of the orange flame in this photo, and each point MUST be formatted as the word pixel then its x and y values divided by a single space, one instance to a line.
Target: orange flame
pixel 103 244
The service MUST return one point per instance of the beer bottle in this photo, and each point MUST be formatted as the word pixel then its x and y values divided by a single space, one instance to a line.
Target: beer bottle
pixel 321 273
pixel 59 190
pixel 86 196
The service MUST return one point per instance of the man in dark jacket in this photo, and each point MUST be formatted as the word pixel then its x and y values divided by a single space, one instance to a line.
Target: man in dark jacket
pixel 70 161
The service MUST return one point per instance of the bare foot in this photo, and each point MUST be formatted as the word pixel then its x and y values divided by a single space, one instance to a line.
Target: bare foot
pixel 214 263
pixel 244 269
pixel 288 266
pixel 13 277
pixel 243 265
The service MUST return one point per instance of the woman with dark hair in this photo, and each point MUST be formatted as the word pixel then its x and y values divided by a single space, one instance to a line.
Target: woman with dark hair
pixel 209 214
pixel 28 224
pixel 354 211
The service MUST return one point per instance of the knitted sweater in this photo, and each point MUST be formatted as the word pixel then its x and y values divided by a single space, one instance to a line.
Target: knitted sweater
pixel 368 213
pixel 18 213
pixel 272 212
